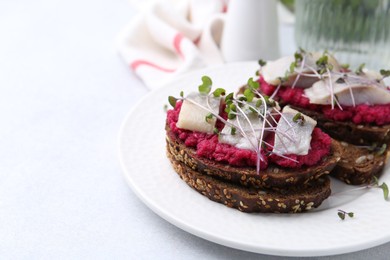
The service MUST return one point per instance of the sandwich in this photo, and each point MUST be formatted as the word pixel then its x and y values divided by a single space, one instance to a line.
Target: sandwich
pixel 244 151
pixel 353 107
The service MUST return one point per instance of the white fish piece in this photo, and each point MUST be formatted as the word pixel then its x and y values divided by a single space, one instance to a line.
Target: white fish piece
pixel 252 129
pixel 193 117
pixel 350 92
pixel 274 70
pixel 239 141
pixel 293 137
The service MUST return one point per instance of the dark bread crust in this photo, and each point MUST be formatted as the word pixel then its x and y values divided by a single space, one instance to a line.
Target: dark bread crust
pixel 352 169
pixel 273 177
pixel 358 165
pixel 251 199
pixel 348 131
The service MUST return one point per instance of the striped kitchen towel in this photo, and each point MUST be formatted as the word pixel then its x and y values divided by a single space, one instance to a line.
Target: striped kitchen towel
pixel 168 40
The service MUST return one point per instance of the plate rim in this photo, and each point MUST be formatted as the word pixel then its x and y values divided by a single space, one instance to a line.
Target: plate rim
pixel 208 235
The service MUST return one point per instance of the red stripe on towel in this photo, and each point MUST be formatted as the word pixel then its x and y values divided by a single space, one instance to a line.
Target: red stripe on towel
pixel 176 44
pixel 135 64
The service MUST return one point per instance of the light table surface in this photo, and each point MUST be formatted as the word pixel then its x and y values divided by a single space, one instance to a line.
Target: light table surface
pixel 64 94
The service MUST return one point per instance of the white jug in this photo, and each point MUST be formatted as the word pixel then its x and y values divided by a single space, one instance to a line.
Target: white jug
pixel 251 31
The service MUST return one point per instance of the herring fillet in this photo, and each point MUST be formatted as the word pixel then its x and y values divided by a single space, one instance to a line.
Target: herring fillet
pixel 192 117
pixel 319 93
pixel 299 136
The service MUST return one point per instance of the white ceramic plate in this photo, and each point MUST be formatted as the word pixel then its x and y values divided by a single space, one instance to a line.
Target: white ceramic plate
pixel 316 233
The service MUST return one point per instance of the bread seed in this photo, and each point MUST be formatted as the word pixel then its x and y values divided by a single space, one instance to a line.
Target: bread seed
pixel 361 159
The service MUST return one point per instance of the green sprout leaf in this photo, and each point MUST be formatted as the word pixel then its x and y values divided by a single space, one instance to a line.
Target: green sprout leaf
pixel 219 92
pixel 385 189
pixel 231 115
pixel 385 73
pixel 254 85
pixel 360 69
pixel 322 61
pixel 249 94
pixel 345 66
pixel 262 62
pixel 383 186
pixel 205 88
pixel 341 215
pixel 229 99
pixel 381 150
pixel 293 65
pixel 208 117
pixel 216 131
pixel 233 131
pixel 259 102
pixel 242 98
pixel 299 118
pixel 172 101
pixel 181 93
pixel 270 102
pixel 298 56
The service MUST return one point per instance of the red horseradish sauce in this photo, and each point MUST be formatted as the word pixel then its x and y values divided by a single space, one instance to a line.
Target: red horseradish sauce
pixel 207 146
pixel 359 114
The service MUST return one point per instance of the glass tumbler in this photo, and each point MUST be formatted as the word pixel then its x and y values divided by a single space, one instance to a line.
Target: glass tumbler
pixel 357 31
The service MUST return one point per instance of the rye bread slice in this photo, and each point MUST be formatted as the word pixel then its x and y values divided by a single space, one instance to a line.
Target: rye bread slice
pixel 348 131
pixel 358 165
pixel 249 199
pixel 273 177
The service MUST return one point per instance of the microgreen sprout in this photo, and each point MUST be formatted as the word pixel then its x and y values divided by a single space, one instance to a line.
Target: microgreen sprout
pixel 374 184
pixel 205 88
pixel 172 101
pixel 208 117
pixel 382 186
pixel 342 214
pixel 233 131
pixel 299 119
pixel 181 93
pixel 216 131
pixel 248 93
pixel 262 62
pixel 384 73
pixel 219 92
pixel 381 150
pixel 345 66
pixel 359 70
pixel 252 84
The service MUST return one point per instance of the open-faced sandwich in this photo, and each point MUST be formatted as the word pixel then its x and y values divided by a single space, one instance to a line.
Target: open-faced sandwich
pixel 245 152
pixel 351 106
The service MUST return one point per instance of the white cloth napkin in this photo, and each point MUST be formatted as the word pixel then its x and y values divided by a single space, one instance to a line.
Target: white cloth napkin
pixel 168 40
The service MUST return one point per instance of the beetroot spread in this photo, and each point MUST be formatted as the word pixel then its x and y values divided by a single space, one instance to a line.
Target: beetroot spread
pixel 207 146
pixel 360 114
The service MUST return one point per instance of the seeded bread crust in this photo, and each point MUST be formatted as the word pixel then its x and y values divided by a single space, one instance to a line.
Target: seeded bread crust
pixel 252 199
pixel 348 131
pixel 359 165
pixel 273 177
